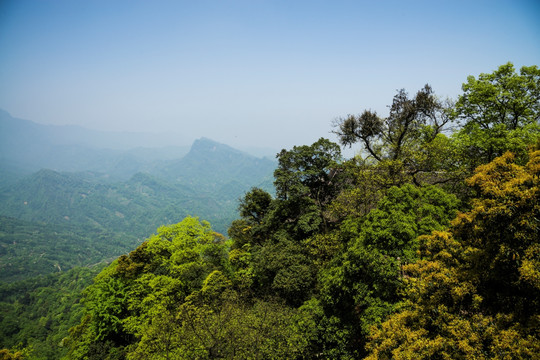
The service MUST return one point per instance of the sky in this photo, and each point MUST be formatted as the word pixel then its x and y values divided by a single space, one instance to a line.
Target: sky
pixel 253 73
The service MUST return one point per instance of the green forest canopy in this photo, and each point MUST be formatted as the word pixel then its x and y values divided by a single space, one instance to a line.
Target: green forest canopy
pixel 424 246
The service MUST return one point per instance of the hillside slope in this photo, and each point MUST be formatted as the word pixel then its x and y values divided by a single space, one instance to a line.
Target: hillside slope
pixel 54 220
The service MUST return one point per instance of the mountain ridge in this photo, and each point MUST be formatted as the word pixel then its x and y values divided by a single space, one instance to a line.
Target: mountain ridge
pixel 26 147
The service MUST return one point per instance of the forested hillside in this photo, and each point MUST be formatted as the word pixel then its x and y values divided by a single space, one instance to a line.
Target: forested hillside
pixel 30 249
pixel 424 246
pixel 53 221
pixel 39 311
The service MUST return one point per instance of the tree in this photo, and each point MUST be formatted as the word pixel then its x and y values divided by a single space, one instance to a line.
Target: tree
pixel 216 322
pixel 255 205
pixel 252 228
pixel 361 285
pixel 308 171
pixel 499 112
pixel 501 235
pixel 15 354
pixel 143 290
pixel 283 268
pixel 404 144
pixel 267 254
pixel 306 181
pixel 475 292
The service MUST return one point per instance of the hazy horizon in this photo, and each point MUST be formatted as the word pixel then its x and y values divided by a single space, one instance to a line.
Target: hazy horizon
pixel 245 73
pixel 123 141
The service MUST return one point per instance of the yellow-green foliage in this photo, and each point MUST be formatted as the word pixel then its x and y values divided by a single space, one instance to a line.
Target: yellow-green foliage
pixel 475 293
pixel 352 259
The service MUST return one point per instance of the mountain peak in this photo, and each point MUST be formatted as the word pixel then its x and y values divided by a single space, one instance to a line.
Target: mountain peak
pixel 205 145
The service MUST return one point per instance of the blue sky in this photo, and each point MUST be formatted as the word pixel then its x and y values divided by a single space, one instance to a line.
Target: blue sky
pixel 246 73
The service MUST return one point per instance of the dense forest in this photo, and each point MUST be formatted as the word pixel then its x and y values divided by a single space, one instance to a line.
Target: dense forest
pixel 423 246
pixel 56 221
pixel 52 221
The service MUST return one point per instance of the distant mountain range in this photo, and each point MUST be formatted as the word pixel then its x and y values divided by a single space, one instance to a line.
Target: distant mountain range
pixel 102 201
pixel 206 182
pixel 26 146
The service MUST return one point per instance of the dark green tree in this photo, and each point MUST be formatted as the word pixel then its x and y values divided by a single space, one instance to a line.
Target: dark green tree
pixel 306 181
pixel 252 228
pixel 361 285
pixel 308 171
pixel 405 145
pixel 255 205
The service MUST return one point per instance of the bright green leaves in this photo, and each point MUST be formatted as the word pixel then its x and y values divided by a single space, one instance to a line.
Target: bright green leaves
pixel 149 296
pixel 216 323
pixel 263 330
pixel 404 214
pixel 106 300
pixel 214 285
pixel 136 298
pixel 500 112
pixel 502 97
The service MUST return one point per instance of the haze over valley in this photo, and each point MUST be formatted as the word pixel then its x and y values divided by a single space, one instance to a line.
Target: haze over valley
pixel 233 179
pixel 118 193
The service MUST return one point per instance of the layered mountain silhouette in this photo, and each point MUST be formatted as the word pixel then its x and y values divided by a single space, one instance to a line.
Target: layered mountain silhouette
pixel 110 199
